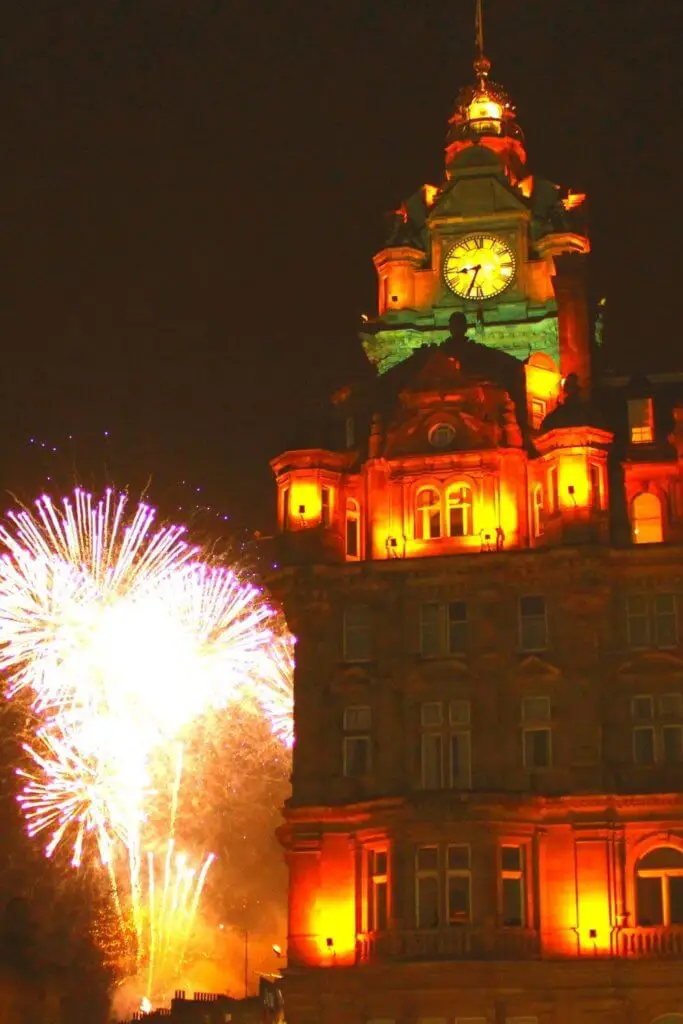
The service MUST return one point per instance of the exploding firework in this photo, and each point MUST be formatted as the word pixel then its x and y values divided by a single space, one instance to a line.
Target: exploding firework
pixel 125 645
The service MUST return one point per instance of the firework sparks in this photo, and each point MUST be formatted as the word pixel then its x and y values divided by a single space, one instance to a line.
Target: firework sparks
pixel 120 639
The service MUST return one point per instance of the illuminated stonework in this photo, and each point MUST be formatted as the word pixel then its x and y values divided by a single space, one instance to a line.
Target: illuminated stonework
pixel 480 553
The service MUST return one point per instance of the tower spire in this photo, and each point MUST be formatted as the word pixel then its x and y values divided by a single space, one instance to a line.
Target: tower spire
pixel 482 65
pixel 479 29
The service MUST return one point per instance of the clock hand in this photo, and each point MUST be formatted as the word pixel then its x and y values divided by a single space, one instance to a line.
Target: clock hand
pixel 474 278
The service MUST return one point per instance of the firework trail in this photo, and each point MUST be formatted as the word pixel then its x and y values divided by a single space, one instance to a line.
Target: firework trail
pixel 124 644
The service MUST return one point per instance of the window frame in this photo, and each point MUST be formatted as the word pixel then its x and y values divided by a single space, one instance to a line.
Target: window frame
pixel 520 875
pixel 354 629
pixel 352 518
pixel 376 880
pixel 354 735
pixel 455 500
pixel 423 513
pixel 443 626
pixel 663 874
pixel 525 648
pixel 420 874
pixel 458 873
pixel 441 732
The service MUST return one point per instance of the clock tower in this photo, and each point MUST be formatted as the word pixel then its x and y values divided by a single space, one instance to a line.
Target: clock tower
pixel 493 241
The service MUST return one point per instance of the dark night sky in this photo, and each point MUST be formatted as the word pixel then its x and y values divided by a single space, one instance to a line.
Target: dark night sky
pixel 192 191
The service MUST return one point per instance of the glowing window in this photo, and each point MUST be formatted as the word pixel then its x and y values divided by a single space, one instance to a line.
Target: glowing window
pixel 428 514
pixel 641 420
pixel 325 506
pixel 378 890
pixel 460 518
pixel 595 474
pixel 442 435
pixel 646 519
pixel 538 412
pixel 285 508
pixel 513 886
pixel 352 529
pixel 538 511
pixel 553 489
pixel 659 888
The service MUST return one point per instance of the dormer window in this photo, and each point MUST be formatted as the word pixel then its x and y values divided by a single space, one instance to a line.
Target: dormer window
pixel 641 420
pixel 442 435
pixel 459 503
pixel 427 514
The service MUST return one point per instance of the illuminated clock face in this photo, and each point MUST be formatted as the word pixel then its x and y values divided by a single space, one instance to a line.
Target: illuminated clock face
pixel 479 267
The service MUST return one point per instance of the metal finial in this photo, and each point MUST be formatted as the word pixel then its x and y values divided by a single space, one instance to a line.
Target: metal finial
pixel 482 65
pixel 479 29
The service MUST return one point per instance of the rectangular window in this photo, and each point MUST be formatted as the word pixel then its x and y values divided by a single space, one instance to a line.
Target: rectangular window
pixel 533 626
pixel 443 628
pixel 664 620
pixel 595 474
pixel 537 751
pixel 672 744
pixel 427 887
pixel 644 745
pixel 285 509
pixel 536 709
pixel 642 709
pixel 637 621
pixel 445 735
pixel 536 738
pixel 461 768
pixel 378 875
pixel 357 742
pixel 553 489
pixel 325 506
pixel 351 536
pixel 457 627
pixel 513 886
pixel 432 760
pixel 641 420
pixel 357 637
pixel 459 884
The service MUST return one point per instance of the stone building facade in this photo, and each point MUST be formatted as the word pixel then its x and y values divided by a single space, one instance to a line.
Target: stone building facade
pixel 480 552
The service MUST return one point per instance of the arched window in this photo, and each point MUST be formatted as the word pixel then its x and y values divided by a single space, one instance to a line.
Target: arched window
pixel 659 888
pixel 352 528
pixel 646 519
pixel 538 510
pixel 460 518
pixel 427 514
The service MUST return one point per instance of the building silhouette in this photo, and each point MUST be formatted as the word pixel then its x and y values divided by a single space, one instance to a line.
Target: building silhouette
pixel 480 552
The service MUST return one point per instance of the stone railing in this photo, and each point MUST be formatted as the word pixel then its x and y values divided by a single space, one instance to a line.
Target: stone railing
pixel 460 943
pixel 659 942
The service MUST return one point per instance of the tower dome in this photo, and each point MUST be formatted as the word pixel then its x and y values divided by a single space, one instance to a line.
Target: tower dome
pixel 484 115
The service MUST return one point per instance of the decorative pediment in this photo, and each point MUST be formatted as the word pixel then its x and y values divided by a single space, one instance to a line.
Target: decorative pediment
pixel 536 670
pixel 653 663
pixel 480 194
pixel 438 673
pixel 353 677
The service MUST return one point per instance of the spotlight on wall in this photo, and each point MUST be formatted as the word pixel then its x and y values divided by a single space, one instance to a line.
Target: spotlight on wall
pixel 329 943
pixel 302 510
pixel 277 950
